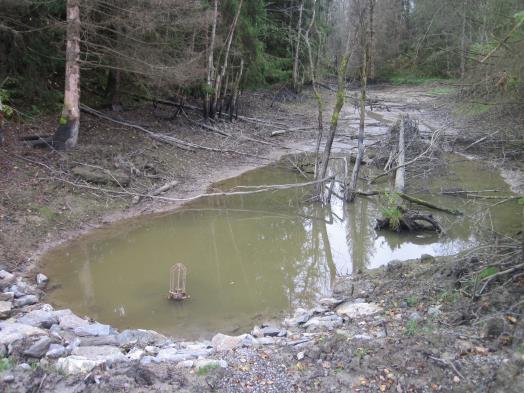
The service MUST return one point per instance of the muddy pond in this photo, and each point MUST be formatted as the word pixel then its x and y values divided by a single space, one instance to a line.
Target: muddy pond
pixel 254 258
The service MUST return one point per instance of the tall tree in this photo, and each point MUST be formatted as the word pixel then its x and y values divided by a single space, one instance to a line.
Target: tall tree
pixel 296 83
pixel 339 103
pixel 350 190
pixel 66 136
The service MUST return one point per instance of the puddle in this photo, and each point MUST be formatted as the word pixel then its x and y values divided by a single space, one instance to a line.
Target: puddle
pixel 251 258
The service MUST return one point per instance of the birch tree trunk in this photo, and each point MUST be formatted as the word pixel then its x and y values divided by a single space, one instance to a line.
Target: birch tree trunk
pixel 66 135
pixel 210 61
pixel 297 48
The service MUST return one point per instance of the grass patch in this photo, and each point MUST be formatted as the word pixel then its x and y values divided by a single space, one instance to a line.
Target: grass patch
pixel 449 297
pixel 412 328
pixel 471 109
pixel 6 364
pixel 442 91
pixel 411 300
pixel 412 80
pixel 207 369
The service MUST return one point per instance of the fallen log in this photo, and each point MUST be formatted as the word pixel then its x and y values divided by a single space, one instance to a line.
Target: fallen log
pixel 101 176
pixel 422 202
pixel 409 222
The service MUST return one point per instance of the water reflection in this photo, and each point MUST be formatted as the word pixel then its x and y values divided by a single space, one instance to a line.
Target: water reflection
pixel 249 257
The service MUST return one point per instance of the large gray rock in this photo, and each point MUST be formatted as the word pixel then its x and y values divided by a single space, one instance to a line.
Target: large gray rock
pixel 177 355
pixel 68 320
pixel 7 296
pixel 5 309
pixel 327 322
pixel 96 329
pixel 77 364
pixel 139 337
pixel 356 310
pixel 300 317
pixel 222 342
pixel 25 300
pixel 10 332
pixel 271 331
pixel 98 340
pixel 6 279
pixel 39 348
pixel 105 353
pixel 56 351
pixel 39 318
pixel 330 302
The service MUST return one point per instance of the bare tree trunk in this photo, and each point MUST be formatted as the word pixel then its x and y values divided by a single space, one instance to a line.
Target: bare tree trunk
pixel 400 172
pixel 297 48
pixel 371 40
pixel 318 97
pixel 66 135
pixel 339 103
pixel 223 70
pixel 463 43
pixel 350 190
pixel 210 62
pixel 234 98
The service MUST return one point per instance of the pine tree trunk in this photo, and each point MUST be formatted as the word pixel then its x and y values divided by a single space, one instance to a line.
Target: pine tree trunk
pixel 66 135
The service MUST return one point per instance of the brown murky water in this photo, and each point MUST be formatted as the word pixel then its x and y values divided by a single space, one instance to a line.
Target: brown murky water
pixel 251 258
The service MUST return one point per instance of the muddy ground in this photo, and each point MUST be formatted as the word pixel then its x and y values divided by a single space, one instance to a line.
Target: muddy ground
pixel 432 335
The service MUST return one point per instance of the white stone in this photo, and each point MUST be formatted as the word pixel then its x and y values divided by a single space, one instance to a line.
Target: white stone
pixel 355 310
pixel 204 363
pixel 11 331
pixel 96 329
pixel 5 309
pixel 300 355
pixel 222 342
pixel 178 355
pixel 136 354
pixel 41 280
pixel 185 364
pixel 77 364
pixel 102 352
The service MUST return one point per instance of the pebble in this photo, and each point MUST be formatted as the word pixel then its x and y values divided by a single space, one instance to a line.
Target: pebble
pixel 415 316
pixel 300 355
pixel 9 378
pixel 434 311
pixel 41 280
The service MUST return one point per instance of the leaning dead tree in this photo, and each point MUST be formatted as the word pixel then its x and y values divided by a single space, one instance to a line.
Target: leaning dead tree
pixel 322 163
